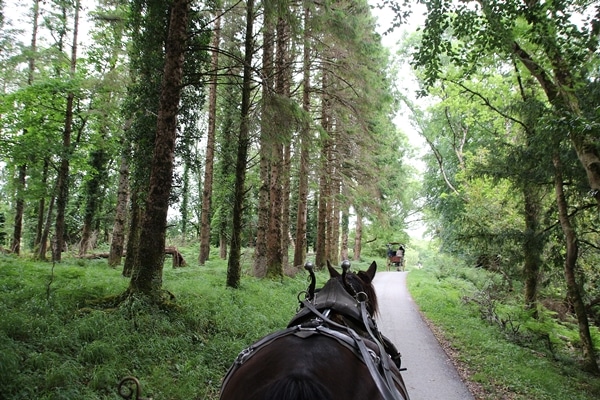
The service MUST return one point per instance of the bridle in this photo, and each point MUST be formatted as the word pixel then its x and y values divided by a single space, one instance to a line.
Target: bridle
pixel 315 318
pixel 380 367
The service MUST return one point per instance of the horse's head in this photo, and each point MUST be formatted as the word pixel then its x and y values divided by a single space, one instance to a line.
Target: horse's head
pixel 358 285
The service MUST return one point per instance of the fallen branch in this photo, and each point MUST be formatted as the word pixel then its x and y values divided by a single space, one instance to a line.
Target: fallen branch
pixel 178 259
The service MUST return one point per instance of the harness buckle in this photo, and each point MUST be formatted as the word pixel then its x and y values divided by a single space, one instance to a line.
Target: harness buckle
pixel 361 297
pixel 244 355
pixel 374 356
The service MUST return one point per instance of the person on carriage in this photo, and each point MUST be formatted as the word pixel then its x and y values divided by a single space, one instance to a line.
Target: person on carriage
pixel 390 251
pixel 400 251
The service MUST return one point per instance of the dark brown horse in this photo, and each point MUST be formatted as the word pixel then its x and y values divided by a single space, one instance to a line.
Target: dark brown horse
pixel 331 350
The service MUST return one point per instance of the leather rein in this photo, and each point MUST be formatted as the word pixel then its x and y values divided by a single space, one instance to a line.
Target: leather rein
pixel 384 378
pixel 314 318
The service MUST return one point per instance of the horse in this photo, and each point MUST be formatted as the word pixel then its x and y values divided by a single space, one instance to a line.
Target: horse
pixel 330 350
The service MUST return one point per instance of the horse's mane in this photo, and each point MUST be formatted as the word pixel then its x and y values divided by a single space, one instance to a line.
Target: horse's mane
pixel 297 386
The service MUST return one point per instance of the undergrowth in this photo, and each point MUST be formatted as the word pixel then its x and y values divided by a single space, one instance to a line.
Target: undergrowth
pixel 56 343
pixel 509 354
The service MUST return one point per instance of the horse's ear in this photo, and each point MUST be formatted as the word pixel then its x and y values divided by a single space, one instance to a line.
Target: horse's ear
pixel 371 271
pixel 332 271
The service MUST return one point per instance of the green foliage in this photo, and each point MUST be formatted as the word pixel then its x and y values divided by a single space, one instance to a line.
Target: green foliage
pixel 510 354
pixel 56 342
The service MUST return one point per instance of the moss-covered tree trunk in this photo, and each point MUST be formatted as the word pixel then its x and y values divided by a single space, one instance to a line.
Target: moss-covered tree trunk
pixel 22 168
pixel 589 354
pixel 358 237
pixel 133 239
pixel 301 216
pixel 532 245
pixel 117 243
pixel 39 229
pixel 93 194
pixel 261 256
pixel 334 215
pixel 43 247
pixel 278 138
pixel 147 276
pixel 62 195
pixel 274 253
pixel 234 266
pixel 285 206
pixel 345 230
pixel 207 187
pixel 321 239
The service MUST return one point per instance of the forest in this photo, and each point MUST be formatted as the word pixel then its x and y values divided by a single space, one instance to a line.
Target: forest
pixel 266 132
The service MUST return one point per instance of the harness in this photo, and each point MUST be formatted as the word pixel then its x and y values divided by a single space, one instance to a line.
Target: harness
pixel 314 318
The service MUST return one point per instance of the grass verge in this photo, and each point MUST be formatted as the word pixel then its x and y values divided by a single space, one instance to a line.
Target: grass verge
pixel 506 353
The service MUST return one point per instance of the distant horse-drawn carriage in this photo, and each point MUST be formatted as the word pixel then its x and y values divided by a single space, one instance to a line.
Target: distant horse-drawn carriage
pixel 395 256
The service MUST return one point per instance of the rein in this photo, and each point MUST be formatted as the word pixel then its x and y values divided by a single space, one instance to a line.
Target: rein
pixel 386 387
pixel 339 300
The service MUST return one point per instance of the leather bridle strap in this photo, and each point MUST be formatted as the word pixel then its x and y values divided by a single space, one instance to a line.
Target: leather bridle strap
pixel 384 387
pixel 385 360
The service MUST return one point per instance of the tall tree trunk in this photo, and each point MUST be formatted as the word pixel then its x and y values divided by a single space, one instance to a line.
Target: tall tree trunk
pixel 223 241
pixel 274 253
pixel 589 355
pixel 22 168
pixel 41 207
pixel 99 158
pixel 15 246
pixel 322 217
pixel 329 193
pixel 284 60
pixel 117 243
pixel 532 245
pixel 234 267
pixel 262 219
pixel 334 238
pixel 285 206
pixel 205 216
pixel 345 227
pixel 147 276
pixel 133 240
pixel 185 201
pixel 358 237
pixel 261 257
pixel 301 217
pixel 43 247
pixel 63 172
pixel 277 234
pixel 320 250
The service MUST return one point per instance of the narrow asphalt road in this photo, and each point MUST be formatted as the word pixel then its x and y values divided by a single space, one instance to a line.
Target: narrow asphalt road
pixel 430 374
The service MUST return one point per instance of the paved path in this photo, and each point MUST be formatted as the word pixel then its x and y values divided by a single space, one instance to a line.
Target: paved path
pixel 430 374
